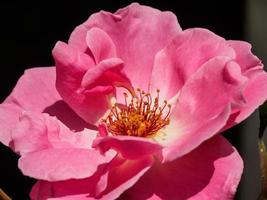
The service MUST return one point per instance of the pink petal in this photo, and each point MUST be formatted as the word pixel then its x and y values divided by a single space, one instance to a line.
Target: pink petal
pixel 212 171
pixel 86 88
pixel 182 140
pixel 255 94
pixel 67 116
pixel 138 33
pixel 124 176
pixel 36 131
pixel 9 116
pixel 30 134
pixel 100 44
pixel 128 146
pixel 244 56
pixel 119 176
pixel 50 151
pixel 255 91
pixel 43 190
pixel 74 197
pixel 56 164
pixel 186 53
pixel 40 190
pixel 203 106
pixel 107 71
pixel 35 90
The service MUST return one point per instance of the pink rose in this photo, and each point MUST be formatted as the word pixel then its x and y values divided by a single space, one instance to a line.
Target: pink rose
pixel 133 109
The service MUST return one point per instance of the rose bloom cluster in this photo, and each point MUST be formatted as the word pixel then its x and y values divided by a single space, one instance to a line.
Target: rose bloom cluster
pixel 133 109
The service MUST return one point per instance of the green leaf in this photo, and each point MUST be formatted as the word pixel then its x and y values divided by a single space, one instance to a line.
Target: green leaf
pixel 263 167
pixel 263 118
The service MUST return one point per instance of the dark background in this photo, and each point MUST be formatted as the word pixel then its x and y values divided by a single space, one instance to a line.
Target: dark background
pixel 29 30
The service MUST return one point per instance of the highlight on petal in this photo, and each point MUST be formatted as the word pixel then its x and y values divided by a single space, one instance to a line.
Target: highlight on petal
pixel 211 171
pixel 84 86
pixel 138 33
pixel 185 54
pixel 203 106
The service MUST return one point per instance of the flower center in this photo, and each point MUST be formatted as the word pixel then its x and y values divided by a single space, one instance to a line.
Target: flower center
pixel 141 117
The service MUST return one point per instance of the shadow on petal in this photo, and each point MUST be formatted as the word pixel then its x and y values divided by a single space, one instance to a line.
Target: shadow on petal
pixel 67 116
pixel 212 171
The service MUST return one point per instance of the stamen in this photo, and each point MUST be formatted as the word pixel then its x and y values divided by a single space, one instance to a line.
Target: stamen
pixel 141 116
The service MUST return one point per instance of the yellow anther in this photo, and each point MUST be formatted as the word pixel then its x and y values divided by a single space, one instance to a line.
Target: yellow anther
pixel 141 117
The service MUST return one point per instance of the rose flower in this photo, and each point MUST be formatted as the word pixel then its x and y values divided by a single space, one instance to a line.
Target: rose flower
pixel 133 109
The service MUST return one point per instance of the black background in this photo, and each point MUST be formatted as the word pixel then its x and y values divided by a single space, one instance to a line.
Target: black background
pixel 29 30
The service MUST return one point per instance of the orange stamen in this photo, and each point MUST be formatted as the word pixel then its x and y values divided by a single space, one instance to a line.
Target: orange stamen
pixel 141 117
